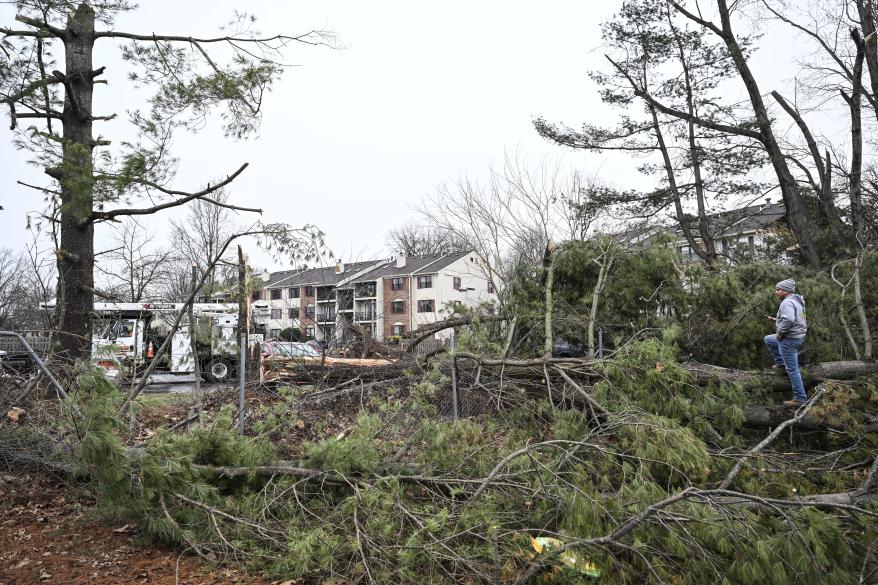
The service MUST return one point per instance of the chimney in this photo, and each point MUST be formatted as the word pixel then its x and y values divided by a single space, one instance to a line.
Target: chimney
pixel 400 261
pixel 339 267
pixel 768 201
pixel 265 276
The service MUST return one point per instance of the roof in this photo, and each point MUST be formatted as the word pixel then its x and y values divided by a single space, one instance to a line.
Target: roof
pixel 275 277
pixel 428 264
pixel 321 276
pixel 744 220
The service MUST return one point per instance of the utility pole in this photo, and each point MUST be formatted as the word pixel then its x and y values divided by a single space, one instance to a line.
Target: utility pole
pixel 243 328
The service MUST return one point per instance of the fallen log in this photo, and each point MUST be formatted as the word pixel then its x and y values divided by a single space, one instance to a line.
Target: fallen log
pixel 767 416
pixel 331 369
pixel 812 374
pixel 428 330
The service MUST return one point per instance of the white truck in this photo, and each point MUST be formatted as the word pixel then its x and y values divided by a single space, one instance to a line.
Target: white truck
pixel 127 336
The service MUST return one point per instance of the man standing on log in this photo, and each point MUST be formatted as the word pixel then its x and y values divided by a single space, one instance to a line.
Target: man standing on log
pixel 791 328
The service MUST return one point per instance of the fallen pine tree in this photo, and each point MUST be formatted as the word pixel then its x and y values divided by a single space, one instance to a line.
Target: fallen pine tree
pixel 812 374
pixel 609 467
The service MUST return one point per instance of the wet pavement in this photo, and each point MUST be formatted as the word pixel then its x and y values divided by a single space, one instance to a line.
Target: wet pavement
pixel 177 384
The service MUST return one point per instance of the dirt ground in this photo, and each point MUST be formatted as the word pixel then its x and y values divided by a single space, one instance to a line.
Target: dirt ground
pixel 48 536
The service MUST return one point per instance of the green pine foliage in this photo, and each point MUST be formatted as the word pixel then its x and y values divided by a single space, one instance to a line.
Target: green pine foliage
pixel 417 504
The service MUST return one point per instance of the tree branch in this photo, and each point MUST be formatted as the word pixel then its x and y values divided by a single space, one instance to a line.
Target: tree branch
pixel 42 26
pixel 303 38
pixel 719 127
pixel 800 414
pixel 806 132
pixel 696 19
pixel 186 197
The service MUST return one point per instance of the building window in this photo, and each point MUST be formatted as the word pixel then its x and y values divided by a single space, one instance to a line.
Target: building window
pixel 425 281
pixel 274 334
pixel 397 307
pixel 397 329
pixel 397 283
pixel 425 306
pixel 276 294
pixel 277 314
pixel 256 295
pixel 309 291
pixel 294 292
pixel 294 312
pixel 457 283
pixel 309 311
pixel 309 332
pixel 365 290
pixel 490 287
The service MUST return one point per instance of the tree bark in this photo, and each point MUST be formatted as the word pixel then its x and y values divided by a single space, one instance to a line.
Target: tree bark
pixel 861 309
pixel 608 257
pixel 767 416
pixel 675 191
pixel 549 267
pixel 796 213
pixel 709 251
pixel 867 23
pixel 856 171
pixel 812 374
pixel 76 252
pixel 824 171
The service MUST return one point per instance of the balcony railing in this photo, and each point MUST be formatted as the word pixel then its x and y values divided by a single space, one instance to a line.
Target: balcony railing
pixel 326 317
pixel 365 316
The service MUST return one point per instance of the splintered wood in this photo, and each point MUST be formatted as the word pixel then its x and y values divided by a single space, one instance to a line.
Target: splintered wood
pixel 302 369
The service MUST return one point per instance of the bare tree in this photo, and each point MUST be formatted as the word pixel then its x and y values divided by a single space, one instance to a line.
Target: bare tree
pixel 27 283
pixel 199 236
pixel 513 216
pixel 132 267
pixel 191 75
pixel 11 283
pixel 418 240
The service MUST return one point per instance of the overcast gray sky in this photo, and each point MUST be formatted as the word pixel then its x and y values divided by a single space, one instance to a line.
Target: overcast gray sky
pixel 352 139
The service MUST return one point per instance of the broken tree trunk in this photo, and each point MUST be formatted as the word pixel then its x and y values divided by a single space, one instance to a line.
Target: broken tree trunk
pixel 812 374
pixel 769 416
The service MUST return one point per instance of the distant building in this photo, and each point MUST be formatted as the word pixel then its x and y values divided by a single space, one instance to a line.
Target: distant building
pixel 384 298
pixel 747 229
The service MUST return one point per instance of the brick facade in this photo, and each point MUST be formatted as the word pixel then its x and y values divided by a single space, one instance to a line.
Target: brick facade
pixel 304 300
pixel 389 296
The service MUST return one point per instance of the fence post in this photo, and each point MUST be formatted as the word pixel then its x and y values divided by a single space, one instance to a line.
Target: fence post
pixel 454 405
pixel 242 375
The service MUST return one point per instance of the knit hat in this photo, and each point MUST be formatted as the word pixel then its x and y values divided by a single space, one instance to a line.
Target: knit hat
pixel 788 285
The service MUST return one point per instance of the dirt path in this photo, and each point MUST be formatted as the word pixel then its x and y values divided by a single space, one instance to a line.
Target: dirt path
pixel 47 536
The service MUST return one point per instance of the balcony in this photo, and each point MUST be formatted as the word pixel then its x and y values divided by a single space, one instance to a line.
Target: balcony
pixel 327 317
pixel 365 291
pixel 325 295
pixel 365 316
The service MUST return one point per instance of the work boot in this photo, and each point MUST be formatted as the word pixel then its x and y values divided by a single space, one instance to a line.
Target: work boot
pixel 793 403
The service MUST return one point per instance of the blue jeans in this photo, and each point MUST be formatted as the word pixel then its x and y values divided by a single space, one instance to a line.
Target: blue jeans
pixel 785 353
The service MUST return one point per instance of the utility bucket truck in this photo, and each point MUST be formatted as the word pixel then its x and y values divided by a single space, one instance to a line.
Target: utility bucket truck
pixel 127 336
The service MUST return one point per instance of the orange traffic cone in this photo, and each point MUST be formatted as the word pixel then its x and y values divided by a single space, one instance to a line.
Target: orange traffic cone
pixel 150 352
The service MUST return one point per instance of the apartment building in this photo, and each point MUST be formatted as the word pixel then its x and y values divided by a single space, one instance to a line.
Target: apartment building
pixel 742 231
pixel 383 299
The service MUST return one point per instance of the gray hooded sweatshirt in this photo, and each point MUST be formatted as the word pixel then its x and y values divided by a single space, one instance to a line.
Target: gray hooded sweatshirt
pixel 790 320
